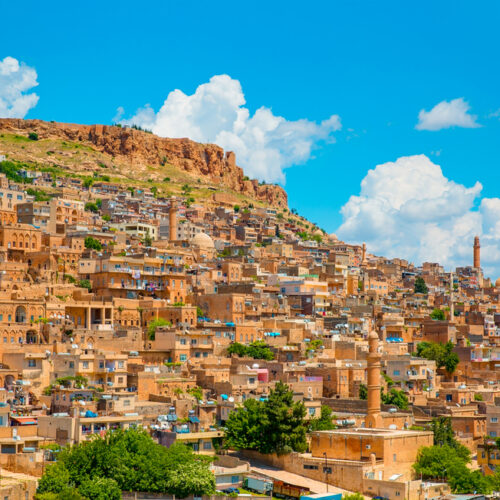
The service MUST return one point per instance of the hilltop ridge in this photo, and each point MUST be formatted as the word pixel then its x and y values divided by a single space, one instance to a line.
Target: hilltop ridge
pixel 131 154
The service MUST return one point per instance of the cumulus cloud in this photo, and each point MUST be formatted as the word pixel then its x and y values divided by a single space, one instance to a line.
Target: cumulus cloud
pixel 265 144
pixel 409 209
pixel 16 79
pixel 454 113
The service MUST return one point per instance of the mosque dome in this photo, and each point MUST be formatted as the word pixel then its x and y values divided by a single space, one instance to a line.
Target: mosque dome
pixel 333 237
pixel 318 232
pixel 202 240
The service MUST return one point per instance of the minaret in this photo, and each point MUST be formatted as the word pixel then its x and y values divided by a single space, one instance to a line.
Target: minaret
pixel 373 417
pixel 452 305
pixel 477 253
pixel 363 255
pixel 172 216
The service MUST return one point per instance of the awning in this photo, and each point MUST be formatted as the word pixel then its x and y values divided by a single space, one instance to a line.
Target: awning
pixel 24 420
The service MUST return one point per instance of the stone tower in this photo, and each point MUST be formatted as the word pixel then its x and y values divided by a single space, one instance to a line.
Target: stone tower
pixel 172 220
pixel 477 253
pixel 373 417
pixel 363 255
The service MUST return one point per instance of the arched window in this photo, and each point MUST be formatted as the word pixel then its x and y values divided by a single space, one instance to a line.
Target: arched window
pixel 20 314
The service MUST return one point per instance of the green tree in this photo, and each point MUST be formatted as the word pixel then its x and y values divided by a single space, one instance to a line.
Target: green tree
pixel 363 391
pixel 33 136
pixel 256 350
pixel 92 243
pixel 147 241
pixel 275 425
pixel 324 422
pixel 55 479
pixel 438 315
pixel 442 354
pixel 134 461
pixel 85 284
pixel 397 398
pixel 420 286
pixel 153 325
pixel 90 206
pixel 100 488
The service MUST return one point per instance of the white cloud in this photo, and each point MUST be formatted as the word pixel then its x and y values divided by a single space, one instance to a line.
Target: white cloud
pixel 265 144
pixel 409 209
pixel 16 79
pixel 447 114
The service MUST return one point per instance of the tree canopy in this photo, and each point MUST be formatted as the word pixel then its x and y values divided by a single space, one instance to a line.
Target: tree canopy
pixel 275 425
pixel 129 460
pixel 438 314
pixel 154 324
pixel 445 462
pixel 92 243
pixel 324 422
pixel 420 286
pixel 442 354
pixel 256 350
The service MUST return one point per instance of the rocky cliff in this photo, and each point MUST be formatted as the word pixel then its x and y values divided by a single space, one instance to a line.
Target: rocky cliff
pixel 140 149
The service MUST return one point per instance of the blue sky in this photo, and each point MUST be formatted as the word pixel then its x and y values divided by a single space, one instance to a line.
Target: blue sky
pixel 374 64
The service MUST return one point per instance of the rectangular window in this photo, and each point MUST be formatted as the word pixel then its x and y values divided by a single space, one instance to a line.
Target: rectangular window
pixel 183 357
pixel 31 363
pixel 207 445
pixel 494 420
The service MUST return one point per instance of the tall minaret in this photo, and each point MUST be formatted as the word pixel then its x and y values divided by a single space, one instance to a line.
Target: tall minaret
pixel 373 417
pixel 172 216
pixel 363 255
pixel 477 253
pixel 452 305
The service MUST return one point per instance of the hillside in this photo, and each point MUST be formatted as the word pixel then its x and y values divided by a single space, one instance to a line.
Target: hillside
pixel 131 156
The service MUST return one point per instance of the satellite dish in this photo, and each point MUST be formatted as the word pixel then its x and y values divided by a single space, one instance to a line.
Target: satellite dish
pixel 231 399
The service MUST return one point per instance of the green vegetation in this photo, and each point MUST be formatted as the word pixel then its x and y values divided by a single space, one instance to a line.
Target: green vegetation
pixel 275 425
pixel 363 391
pixel 442 354
pixel 126 461
pixel 33 136
pixel 11 171
pixel 92 243
pixel 154 324
pixel 196 392
pixel 394 397
pixel 39 194
pixel 147 240
pixel 138 127
pixel 420 286
pixel 257 350
pixel 90 206
pixel 445 462
pixel 324 422
pixel 438 315
pixel 85 284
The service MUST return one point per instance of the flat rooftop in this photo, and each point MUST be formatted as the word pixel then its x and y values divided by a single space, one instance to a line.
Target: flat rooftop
pixel 361 431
